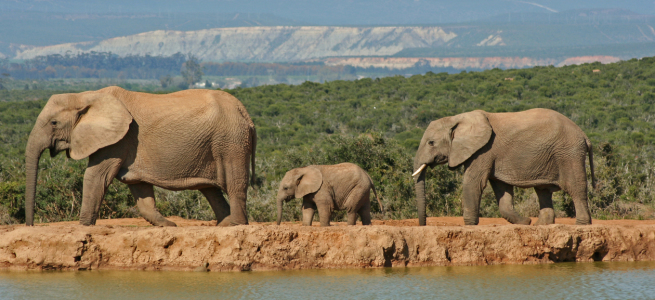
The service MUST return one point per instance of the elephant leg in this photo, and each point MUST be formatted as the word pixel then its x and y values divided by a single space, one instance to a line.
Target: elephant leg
pixel 365 213
pixel 232 151
pixel 97 178
pixel 473 185
pixel 308 210
pixel 323 203
pixel 505 196
pixel 579 195
pixel 219 205
pixel 145 201
pixel 354 200
pixel 237 177
pixel 238 212
pixel 352 217
pixel 546 212
pixel 324 214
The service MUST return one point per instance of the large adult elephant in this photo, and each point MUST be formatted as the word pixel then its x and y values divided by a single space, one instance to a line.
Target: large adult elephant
pixel 194 139
pixel 537 148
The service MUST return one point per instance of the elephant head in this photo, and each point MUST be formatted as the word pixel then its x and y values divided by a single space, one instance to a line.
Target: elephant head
pixel 453 140
pixel 79 124
pixel 296 184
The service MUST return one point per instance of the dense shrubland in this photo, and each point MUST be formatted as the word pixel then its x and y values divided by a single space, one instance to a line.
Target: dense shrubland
pixel 377 123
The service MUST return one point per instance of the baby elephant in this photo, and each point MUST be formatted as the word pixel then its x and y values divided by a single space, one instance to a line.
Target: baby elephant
pixel 327 188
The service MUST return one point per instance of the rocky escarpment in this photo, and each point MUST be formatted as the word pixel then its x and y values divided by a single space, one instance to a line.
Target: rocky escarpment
pixel 264 43
pixel 267 247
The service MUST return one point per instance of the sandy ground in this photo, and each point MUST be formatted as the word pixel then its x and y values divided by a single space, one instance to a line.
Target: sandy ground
pixel 433 221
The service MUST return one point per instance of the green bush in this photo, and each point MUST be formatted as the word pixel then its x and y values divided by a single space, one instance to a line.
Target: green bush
pixel 377 124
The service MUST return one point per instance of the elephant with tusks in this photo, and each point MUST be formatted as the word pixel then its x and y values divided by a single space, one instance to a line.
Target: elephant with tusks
pixel 537 148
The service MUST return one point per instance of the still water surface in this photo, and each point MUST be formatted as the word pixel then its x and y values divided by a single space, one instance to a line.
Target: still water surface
pixel 634 280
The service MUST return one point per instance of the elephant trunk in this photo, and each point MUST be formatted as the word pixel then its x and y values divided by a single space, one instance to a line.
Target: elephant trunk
pixel 420 197
pixel 279 209
pixel 420 170
pixel 35 146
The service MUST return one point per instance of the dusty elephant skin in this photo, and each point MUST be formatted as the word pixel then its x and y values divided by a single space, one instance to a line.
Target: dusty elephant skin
pixel 193 139
pixel 537 148
pixel 263 247
pixel 327 188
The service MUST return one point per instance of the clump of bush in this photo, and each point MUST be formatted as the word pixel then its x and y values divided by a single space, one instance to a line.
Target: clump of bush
pixel 377 124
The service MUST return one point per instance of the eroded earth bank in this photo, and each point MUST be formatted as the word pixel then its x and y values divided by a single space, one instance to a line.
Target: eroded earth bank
pixel 130 244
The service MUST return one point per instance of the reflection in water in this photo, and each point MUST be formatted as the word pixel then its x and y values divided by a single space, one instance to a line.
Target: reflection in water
pixel 634 280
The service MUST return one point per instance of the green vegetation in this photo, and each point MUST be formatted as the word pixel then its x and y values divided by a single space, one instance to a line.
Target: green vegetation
pixel 377 124
pixel 191 71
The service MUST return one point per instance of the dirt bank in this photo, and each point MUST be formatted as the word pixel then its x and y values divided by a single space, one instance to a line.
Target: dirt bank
pixel 130 244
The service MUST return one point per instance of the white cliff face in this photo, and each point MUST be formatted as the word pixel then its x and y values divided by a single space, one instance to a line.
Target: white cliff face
pixel 278 43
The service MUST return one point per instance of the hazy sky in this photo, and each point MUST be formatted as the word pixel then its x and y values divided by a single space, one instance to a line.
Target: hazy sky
pixel 333 12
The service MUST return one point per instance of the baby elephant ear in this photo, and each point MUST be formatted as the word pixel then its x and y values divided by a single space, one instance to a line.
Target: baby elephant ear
pixel 471 133
pixel 310 181
pixel 103 120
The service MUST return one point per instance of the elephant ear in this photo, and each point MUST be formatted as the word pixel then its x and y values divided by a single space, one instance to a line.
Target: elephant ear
pixel 102 121
pixel 309 181
pixel 471 133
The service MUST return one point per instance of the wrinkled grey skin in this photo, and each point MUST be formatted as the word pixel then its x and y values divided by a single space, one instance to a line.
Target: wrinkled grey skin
pixel 328 188
pixel 195 139
pixel 537 148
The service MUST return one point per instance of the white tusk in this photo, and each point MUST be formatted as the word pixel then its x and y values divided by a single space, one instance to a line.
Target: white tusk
pixel 419 170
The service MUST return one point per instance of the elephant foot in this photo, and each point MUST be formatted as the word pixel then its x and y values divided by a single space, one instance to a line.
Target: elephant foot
pixel 583 221
pixel 88 220
pixel 471 221
pixel 228 222
pixel 524 221
pixel 225 223
pixel 516 219
pixel 546 217
pixel 167 223
pixel 87 223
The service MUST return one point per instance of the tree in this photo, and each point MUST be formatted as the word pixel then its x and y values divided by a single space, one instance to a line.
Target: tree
pixel 166 81
pixel 4 80
pixel 191 70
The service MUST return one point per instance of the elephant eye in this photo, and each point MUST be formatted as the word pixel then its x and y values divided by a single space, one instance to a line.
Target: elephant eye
pixel 431 143
pixel 54 123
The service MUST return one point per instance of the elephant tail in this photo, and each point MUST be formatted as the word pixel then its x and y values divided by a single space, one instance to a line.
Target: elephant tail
pixel 253 142
pixel 384 213
pixel 590 150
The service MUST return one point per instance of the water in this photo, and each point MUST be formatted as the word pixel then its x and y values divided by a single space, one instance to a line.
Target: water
pixel 634 280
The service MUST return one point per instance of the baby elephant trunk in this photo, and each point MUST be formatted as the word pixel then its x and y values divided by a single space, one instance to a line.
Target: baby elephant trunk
pixel 279 210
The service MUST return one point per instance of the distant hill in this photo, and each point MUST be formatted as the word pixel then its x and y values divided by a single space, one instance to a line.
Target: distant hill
pixel 298 43
pixel 277 43
pixel 36 28
pixel 538 35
